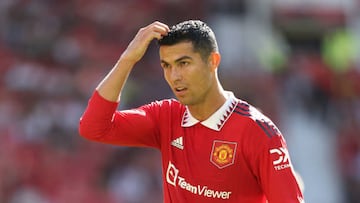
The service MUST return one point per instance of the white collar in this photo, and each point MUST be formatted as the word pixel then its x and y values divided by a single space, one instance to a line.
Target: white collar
pixel 217 119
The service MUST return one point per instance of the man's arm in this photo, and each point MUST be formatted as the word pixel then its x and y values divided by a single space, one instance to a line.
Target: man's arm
pixel 270 162
pixel 278 177
pixel 111 86
pixel 100 122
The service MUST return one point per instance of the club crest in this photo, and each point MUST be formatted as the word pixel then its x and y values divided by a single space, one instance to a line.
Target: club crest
pixel 223 153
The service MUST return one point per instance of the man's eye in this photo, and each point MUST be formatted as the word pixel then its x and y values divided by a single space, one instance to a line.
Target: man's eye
pixel 165 66
pixel 184 63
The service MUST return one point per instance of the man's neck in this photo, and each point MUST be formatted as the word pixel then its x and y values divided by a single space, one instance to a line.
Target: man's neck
pixel 210 105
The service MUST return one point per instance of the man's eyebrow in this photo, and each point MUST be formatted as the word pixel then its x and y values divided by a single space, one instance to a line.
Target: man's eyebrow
pixel 177 60
pixel 182 58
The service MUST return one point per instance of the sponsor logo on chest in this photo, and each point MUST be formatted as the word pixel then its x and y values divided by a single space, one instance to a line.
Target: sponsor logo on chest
pixel 173 178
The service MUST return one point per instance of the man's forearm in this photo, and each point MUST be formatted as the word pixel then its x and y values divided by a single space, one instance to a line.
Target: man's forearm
pixel 111 86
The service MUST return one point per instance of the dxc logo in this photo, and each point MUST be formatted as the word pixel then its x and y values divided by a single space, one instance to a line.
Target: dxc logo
pixel 282 158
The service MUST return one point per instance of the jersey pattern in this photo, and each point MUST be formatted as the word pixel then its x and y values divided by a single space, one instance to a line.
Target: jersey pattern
pixel 237 155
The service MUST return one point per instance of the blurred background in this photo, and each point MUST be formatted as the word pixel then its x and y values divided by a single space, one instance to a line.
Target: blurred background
pixel 297 61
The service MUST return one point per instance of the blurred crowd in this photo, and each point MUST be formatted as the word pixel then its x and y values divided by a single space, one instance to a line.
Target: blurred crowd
pixel 53 53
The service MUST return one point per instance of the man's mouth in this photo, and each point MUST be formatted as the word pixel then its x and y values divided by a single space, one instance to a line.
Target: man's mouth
pixel 180 89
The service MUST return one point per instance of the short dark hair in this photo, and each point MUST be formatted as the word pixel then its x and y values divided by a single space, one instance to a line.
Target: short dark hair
pixel 195 31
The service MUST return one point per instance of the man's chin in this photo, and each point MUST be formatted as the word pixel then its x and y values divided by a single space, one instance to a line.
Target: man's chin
pixel 187 102
pixel 183 100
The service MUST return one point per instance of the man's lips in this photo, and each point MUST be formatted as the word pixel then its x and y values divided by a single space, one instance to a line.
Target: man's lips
pixel 180 89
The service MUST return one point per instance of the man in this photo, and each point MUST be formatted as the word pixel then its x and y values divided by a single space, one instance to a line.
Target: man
pixel 214 147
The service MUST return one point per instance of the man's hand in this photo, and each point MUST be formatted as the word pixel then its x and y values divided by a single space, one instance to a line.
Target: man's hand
pixel 138 46
pixel 111 86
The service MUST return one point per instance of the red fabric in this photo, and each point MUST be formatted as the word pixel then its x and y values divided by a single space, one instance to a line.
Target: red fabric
pixel 246 161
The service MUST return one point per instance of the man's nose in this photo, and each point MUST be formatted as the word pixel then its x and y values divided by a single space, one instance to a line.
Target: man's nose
pixel 176 74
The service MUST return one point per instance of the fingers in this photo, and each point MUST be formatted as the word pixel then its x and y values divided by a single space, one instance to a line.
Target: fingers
pixel 159 29
pixel 141 41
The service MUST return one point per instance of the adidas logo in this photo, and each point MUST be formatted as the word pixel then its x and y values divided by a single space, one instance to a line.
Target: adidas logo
pixel 178 142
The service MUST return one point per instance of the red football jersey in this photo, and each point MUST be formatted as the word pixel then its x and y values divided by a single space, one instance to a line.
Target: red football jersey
pixel 236 155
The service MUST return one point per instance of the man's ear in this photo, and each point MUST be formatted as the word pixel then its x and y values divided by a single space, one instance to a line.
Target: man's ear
pixel 214 60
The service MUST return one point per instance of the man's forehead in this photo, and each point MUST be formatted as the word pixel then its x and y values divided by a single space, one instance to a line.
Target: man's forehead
pixel 174 52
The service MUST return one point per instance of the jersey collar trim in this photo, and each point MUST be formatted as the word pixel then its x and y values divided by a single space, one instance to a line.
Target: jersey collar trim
pixel 217 119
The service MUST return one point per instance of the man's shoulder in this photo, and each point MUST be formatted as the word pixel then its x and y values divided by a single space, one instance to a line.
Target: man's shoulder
pixel 165 105
pixel 256 118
